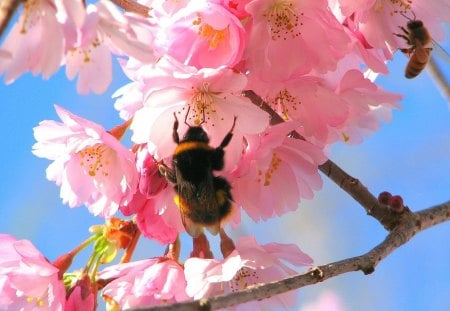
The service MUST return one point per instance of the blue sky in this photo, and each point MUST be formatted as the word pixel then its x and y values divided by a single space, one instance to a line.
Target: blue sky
pixel 409 156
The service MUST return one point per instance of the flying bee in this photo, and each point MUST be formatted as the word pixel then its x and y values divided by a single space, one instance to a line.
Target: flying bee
pixel 418 38
pixel 203 199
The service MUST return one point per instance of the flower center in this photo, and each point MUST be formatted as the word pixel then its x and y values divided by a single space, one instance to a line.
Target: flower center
pixel 273 167
pixel 201 105
pixel 213 36
pixel 244 278
pixel 94 161
pixel 86 51
pixel 283 20
pixel 397 6
pixel 285 102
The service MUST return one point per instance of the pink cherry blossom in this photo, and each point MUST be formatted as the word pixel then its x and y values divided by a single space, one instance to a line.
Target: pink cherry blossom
pixel 378 21
pixel 249 264
pixel 89 164
pixel 210 97
pixel 368 105
pixel 157 217
pixel 5 54
pixel 307 99
pixel 130 97
pixel 27 280
pixel 151 182
pixel 146 282
pixel 100 30
pixel 276 172
pixel 362 52
pixel 35 42
pixel 201 34
pixel 285 37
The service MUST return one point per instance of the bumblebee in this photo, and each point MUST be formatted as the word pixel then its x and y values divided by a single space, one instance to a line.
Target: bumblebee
pixel 204 199
pixel 418 38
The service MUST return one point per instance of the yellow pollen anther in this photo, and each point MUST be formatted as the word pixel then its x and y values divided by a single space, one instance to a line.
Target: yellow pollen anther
pixel 214 36
pixel 86 57
pixel 398 6
pixel 283 20
pixel 346 137
pixel 94 160
pixel 198 21
pixel 286 102
pixel 273 167
pixel 243 279
pixel 39 302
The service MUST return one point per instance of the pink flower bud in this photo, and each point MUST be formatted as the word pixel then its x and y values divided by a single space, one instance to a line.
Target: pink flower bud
pixel 384 197
pixel 396 204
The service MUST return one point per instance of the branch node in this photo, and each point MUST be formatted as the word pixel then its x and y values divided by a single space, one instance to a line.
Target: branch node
pixel 418 224
pixel 368 270
pixel 371 209
pixel 317 273
pixel 204 305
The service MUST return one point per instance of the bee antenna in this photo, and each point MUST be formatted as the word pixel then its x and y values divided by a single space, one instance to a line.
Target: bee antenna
pixel 409 18
pixel 405 16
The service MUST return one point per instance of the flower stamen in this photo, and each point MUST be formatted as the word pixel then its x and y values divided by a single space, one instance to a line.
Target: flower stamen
pixel 286 101
pixel 201 105
pixel 93 160
pixel 273 167
pixel 214 36
pixel 399 6
pixel 244 278
pixel 283 20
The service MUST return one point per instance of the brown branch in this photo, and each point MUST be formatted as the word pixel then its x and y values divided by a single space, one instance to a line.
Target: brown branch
pixel 7 9
pixel 132 6
pixel 436 74
pixel 408 225
pixel 361 194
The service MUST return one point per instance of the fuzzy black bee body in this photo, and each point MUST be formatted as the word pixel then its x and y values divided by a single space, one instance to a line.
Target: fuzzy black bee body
pixel 203 199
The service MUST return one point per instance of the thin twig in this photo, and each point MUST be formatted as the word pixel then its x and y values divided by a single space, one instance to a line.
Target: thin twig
pixel 409 224
pixel 132 6
pixel 436 74
pixel 7 9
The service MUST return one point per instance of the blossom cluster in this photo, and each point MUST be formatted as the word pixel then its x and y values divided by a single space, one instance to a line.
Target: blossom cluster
pixel 290 77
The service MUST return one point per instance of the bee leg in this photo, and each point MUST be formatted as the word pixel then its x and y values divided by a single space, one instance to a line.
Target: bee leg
pixel 406 38
pixel 217 161
pixel 226 140
pixel 167 173
pixel 218 154
pixel 175 136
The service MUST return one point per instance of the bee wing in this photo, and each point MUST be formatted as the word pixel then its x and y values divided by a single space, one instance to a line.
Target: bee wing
pixel 440 52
